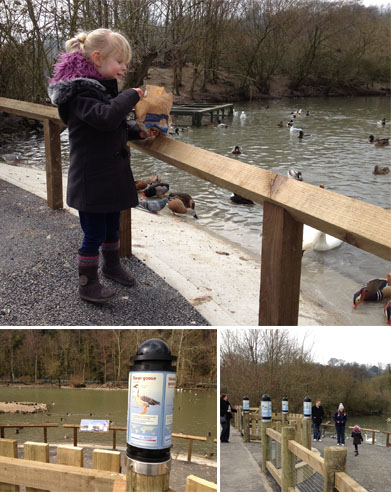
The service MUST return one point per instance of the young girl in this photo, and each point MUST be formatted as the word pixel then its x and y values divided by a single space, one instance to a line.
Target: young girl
pixel 100 181
pixel 357 438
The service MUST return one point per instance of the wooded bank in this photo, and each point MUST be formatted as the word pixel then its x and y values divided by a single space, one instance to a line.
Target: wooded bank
pixel 235 49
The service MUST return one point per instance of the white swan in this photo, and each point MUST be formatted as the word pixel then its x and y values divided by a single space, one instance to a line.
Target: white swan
pixel 294 129
pixel 313 239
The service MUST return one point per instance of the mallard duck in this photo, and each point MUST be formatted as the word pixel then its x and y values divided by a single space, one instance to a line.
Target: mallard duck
pixel 387 312
pixel 186 199
pixel 385 141
pixel 381 170
pixel 294 173
pixel 159 189
pixel 144 401
pixel 302 134
pixel 236 150
pixel 178 207
pixel 375 290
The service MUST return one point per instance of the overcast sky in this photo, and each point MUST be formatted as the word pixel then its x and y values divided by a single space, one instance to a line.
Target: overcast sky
pixel 368 3
pixel 363 345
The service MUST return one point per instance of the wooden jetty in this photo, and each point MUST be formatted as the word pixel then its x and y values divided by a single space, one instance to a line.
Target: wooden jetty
pixel 197 111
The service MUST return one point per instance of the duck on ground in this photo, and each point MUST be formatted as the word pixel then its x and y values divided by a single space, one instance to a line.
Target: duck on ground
pixel 236 150
pixel 153 206
pixel 387 312
pixel 239 200
pixel 11 158
pixel 381 170
pixel 186 199
pixel 177 206
pixel 375 290
pixel 159 190
pixel 377 141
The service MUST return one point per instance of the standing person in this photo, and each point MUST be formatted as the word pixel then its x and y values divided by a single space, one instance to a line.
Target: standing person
pixel 340 419
pixel 357 438
pixel 85 87
pixel 317 417
pixel 225 417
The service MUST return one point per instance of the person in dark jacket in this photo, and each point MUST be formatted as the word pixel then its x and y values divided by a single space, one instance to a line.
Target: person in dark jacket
pixel 357 438
pixel 317 417
pixel 340 419
pixel 225 417
pixel 100 182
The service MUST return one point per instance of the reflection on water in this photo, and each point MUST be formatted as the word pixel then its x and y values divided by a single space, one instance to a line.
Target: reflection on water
pixel 194 414
pixel 336 153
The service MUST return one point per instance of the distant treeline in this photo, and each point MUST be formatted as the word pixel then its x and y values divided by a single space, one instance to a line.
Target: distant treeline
pixel 101 356
pixel 313 46
pixel 270 361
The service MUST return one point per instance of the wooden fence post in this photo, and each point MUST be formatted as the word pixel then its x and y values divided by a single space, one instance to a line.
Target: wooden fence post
pixel 280 267
pixel 306 433
pixel 246 428
pixel 38 452
pixel 53 164
pixel 266 448
pixel 147 477
pixel 8 448
pixel 278 447
pixel 106 460
pixel 70 455
pixel 125 233
pixel 288 459
pixel 190 450
pixel 334 461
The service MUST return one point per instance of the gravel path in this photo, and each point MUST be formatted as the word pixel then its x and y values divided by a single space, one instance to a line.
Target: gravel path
pixel 38 274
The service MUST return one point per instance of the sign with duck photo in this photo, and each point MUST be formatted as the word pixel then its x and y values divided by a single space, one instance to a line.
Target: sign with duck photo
pixel 151 408
pixel 94 425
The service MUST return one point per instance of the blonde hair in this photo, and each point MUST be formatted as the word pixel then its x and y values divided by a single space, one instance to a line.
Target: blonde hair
pixel 106 41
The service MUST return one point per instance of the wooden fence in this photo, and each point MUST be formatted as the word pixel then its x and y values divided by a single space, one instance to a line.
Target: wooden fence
pixel 113 428
pixel 287 205
pixel 35 473
pixel 332 467
pixel 372 431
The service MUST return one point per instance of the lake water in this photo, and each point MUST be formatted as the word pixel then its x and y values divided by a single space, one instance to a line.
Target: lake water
pixel 194 414
pixel 337 153
pixel 374 422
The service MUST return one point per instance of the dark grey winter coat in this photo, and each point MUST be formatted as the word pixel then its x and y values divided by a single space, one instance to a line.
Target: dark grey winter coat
pixel 100 179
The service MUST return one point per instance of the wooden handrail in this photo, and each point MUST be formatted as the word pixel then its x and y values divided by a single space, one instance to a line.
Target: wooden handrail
pixel 288 205
pixel 21 426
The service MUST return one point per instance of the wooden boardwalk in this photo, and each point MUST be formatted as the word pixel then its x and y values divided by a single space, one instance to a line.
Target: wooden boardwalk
pixel 372 468
pixel 197 111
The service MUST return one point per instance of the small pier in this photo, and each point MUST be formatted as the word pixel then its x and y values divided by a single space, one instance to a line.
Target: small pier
pixel 196 111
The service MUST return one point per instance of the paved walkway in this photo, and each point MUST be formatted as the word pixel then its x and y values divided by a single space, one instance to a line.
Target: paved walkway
pixel 218 278
pixel 238 469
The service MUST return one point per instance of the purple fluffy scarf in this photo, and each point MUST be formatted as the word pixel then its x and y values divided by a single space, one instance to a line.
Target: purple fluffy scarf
pixel 73 65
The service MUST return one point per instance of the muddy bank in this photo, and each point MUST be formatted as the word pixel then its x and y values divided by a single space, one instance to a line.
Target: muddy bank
pixel 22 407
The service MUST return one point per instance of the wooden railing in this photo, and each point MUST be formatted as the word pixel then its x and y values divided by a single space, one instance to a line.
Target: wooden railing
pixel 22 426
pixel 116 428
pixel 287 205
pixel 35 473
pixel 332 467
pixel 372 431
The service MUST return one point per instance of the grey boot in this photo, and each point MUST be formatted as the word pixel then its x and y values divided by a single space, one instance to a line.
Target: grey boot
pixel 112 267
pixel 90 289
